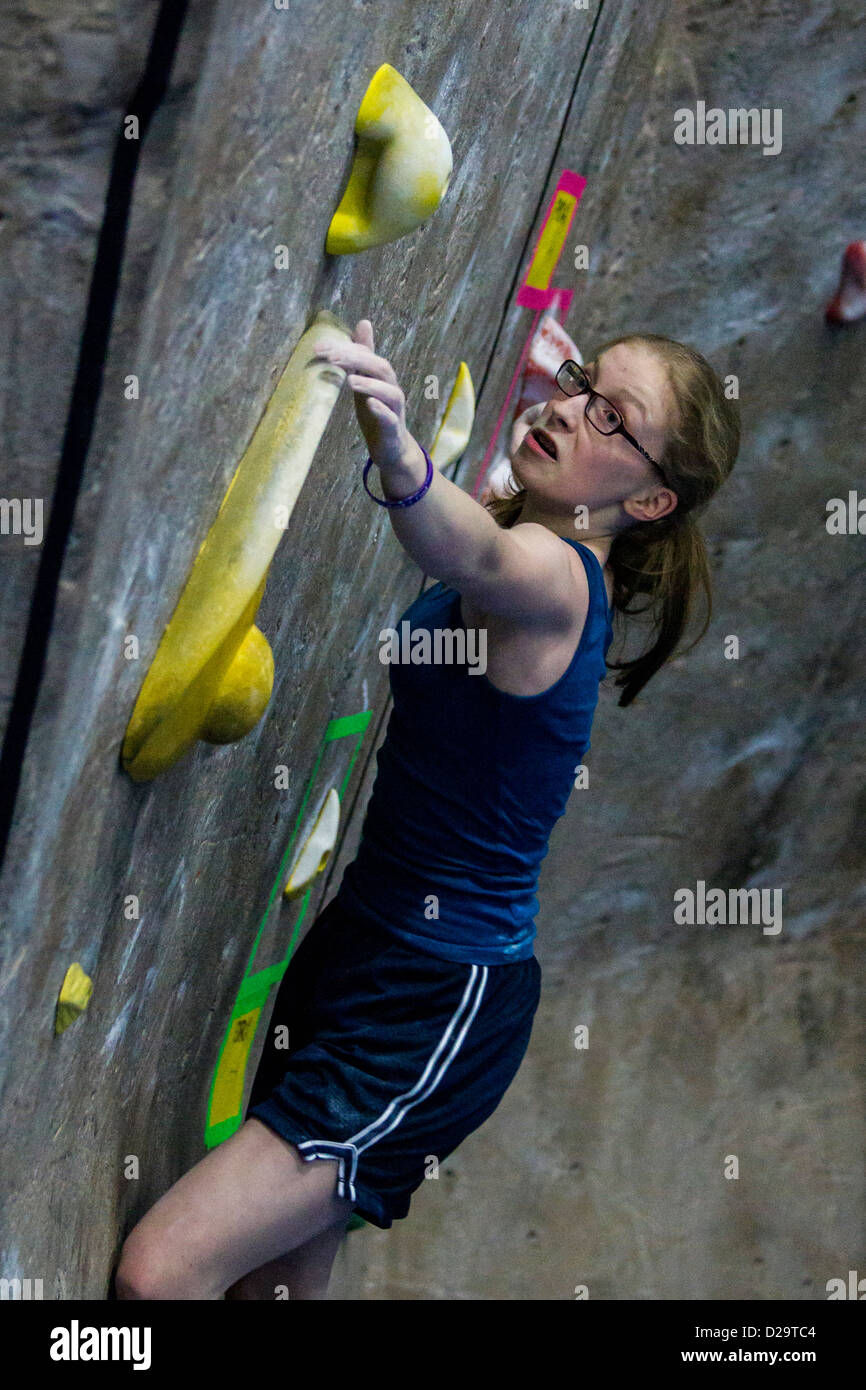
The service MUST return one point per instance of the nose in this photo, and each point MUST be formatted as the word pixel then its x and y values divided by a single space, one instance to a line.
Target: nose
pixel 565 414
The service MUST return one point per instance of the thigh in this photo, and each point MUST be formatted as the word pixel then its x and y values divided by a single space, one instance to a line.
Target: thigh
pixel 302 1273
pixel 395 1057
pixel 244 1204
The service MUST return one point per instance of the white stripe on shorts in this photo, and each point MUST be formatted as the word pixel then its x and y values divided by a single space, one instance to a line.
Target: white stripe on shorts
pixel 397 1109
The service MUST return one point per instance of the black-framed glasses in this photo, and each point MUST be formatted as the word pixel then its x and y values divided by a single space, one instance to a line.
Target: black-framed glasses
pixel 572 380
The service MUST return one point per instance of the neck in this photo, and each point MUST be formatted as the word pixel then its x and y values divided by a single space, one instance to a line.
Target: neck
pixel 599 532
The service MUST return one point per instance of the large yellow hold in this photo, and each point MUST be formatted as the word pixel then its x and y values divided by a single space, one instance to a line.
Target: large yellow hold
pixel 400 172
pixel 212 675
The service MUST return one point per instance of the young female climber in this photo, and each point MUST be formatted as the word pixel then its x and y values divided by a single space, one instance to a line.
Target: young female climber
pixel 410 1001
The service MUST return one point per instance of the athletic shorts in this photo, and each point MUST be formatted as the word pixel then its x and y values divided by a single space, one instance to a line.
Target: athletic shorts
pixel 394 1056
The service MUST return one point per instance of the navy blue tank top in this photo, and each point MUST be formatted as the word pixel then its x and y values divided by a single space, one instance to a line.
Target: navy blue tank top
pixel 470 781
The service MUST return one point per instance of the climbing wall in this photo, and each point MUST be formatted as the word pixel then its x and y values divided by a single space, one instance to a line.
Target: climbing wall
pixel 602 1167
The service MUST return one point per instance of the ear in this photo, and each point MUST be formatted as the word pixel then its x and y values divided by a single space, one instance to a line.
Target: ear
pixel 651 505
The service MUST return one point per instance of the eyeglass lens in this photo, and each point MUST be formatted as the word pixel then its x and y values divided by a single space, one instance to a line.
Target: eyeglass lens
pixel 573 381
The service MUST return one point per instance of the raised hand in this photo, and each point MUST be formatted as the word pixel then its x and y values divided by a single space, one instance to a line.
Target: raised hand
pixel 379 402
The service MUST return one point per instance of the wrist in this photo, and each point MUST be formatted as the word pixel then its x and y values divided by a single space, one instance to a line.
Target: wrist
pixel 404 476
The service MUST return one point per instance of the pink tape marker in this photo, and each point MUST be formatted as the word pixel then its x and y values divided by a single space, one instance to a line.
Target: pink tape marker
pixel 536 292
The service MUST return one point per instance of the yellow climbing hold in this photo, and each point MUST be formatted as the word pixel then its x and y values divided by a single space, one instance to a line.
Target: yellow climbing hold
pixel 212 675
pixel 456 427
pixel 74 997
pixel 317 847
pixel 400 172
pixel 243 694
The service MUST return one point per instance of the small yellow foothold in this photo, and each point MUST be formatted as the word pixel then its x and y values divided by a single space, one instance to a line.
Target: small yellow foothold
pixel 400 172
pixel 456 427
pixel 317 847
pixel 74 997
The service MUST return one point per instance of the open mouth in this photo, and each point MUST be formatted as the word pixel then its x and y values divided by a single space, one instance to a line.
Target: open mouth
pixel 544 441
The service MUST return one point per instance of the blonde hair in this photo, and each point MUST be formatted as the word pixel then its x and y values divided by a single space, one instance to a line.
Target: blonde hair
pixel 667 558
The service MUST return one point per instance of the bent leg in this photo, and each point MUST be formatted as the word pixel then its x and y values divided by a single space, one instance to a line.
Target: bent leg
pixel 245 1204
pixel 304 1272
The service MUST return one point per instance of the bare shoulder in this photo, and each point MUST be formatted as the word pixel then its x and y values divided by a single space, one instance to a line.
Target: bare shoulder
pixel 537 537
pixel 563 562
pixel 528 579
pixel 525 658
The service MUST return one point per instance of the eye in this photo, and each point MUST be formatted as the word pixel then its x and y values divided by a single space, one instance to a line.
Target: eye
pixel 613 417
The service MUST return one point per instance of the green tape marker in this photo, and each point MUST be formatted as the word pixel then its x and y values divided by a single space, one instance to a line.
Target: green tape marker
pixel 225 1105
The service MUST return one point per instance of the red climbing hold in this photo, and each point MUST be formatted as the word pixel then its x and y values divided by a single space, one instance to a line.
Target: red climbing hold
pixel 849 302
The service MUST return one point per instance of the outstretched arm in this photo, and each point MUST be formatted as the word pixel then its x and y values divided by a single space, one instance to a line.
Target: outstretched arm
pixel 522 573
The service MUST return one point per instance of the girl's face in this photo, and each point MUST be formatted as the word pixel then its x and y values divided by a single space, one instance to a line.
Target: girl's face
pixel 597 470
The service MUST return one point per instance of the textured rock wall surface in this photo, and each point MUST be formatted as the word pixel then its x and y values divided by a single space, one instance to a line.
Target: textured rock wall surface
pixel 601 1167
pixel 65 74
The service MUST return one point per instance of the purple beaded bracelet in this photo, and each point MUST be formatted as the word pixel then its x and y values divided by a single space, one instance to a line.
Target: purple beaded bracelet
pixel 402 501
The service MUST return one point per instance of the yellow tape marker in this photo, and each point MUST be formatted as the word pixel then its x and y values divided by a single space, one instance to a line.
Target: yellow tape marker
pixel 228 1089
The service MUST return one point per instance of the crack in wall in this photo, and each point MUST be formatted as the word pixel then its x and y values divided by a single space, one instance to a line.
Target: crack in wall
pixel 84 401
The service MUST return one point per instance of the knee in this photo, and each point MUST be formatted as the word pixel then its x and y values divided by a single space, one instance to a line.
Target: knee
pixel 130 1278
pixel 141 1274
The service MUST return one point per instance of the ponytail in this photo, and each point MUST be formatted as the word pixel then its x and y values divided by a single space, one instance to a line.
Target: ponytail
pixel 666 560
